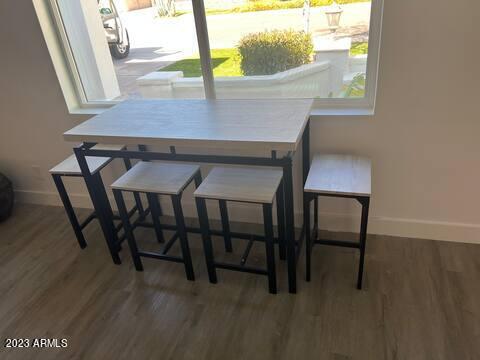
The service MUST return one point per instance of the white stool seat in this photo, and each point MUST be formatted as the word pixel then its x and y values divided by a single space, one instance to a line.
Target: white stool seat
pixel 70 165
pixel 340 175
pixel 256 185
pixel 159 178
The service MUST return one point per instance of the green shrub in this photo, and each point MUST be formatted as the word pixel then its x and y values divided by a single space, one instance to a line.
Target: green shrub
pixel 356 88
pixel 270 52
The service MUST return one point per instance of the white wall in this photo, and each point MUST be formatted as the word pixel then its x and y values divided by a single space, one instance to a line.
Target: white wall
pixel 424 138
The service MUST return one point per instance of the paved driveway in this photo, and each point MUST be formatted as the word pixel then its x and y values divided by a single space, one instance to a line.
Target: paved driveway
pixel 141 61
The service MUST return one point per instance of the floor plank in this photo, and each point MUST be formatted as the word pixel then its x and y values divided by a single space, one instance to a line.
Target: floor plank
pixel 421 300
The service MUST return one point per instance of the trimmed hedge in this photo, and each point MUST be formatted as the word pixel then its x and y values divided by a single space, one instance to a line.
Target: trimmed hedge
pixel 270 52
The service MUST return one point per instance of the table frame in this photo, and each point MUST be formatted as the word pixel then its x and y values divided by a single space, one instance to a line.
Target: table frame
pixel 105 214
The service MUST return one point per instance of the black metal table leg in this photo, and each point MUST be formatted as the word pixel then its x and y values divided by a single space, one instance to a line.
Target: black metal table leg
pixel 363 238
pixel 290 227
pixel 99 199
pixel 306 223
pixel 103 197
pixel 77 228
pixel 269 247
pixel 306 161
pixel 281 221
pixel 306 152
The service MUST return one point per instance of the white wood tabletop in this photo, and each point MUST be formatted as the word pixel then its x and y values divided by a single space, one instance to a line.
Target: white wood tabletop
pixel 155 177
pixel 229 124
pixel 70 165
pixel 246 184
pixel 340 174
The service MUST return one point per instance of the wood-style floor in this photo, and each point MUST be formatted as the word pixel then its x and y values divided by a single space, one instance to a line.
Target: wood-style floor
pixel 421 301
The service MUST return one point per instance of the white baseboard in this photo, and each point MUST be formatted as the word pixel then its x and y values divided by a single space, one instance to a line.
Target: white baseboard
pixel 410 228
pixel 51 198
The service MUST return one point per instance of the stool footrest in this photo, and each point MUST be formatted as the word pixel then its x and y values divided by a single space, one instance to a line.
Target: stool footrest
pixel 121 239
pixel 349 244
pixel 118 227
pixel 195 230
pixel 132 211
pixel 169 244
pixel 246 269
pixel 247 252
pixel 155 255
pixel 88 220
pixel 148 224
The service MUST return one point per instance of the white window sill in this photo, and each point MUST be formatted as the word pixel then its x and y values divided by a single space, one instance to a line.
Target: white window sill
pixel 343 112
pixel 87 111
pixel 315 112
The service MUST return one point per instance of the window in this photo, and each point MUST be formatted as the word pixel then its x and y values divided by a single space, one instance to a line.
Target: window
pixel 224 49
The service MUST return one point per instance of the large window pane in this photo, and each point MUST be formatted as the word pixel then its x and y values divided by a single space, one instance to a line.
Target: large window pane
pixel 123 49
pixel 289 51
pixel 119 49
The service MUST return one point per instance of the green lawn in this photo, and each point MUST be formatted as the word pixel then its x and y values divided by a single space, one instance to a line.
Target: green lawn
pixel 226 62
pixel 262 5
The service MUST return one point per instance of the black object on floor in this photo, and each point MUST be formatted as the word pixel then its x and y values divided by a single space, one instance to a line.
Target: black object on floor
pixel 6 197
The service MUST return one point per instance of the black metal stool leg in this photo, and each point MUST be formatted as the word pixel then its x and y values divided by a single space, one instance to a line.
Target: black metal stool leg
pixel 281 221
pixel 99 199
pixel 270 248
pixel 122 209
pixel 136 195
pixel 182 235
pixel 363 238
pixel 225 225
pixel 207 241
pixel 155 212
pixel 69 210
pixel 315 218
pixel 308 240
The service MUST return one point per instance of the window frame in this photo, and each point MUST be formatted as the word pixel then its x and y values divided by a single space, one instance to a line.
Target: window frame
pixel 77 102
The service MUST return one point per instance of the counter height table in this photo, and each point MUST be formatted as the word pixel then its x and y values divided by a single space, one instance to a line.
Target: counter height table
pixel 268 126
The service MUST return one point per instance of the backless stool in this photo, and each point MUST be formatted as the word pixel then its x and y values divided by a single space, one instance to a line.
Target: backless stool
pixel 154 178
pixel 70 168
pixel 248 185
pixel 337 176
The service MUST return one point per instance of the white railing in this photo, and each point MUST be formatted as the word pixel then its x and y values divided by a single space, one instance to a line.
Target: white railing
pixel 305 81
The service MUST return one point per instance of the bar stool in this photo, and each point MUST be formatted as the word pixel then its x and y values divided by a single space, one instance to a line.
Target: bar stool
pixel 70 168
pixel 153 178
pixel 246 185
pixel 337 176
